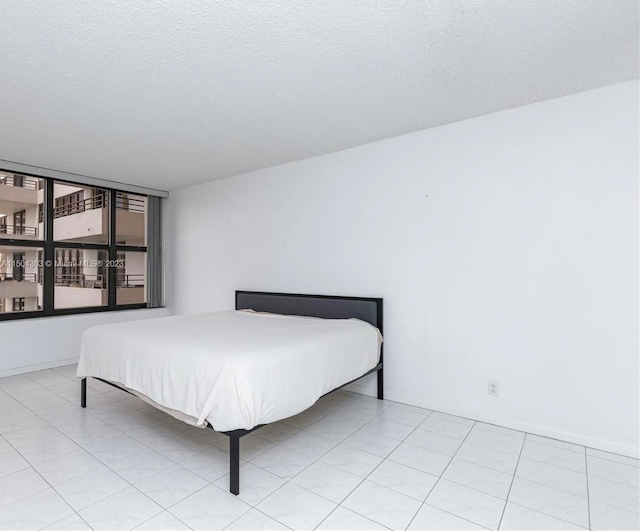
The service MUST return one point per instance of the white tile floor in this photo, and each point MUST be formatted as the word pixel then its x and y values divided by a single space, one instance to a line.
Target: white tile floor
pixel 350 462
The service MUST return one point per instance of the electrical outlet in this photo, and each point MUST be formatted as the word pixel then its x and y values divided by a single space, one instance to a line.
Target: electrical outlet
pixel 493 387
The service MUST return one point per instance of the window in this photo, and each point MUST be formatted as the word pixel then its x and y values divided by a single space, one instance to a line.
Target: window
pixel 70 248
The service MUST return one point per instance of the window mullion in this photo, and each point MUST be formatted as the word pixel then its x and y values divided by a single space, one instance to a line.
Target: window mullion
pixel 48 285
pixel 113 252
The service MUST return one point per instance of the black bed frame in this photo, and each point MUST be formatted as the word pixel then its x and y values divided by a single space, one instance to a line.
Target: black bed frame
pixel 325 306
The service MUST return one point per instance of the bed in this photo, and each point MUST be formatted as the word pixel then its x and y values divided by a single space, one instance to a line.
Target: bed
pixel 234 372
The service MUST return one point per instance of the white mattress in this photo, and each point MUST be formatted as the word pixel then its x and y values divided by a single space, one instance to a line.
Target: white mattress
pixel 234 369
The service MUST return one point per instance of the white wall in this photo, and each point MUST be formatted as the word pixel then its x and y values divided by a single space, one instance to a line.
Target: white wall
pixel 505 247
pixel 34 344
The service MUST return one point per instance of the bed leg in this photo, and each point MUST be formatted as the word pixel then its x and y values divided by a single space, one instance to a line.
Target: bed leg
pixel 83 392
pixel 381 384
pixel 234 464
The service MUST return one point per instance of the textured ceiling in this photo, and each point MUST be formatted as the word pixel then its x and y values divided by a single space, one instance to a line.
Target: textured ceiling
pixel 171 93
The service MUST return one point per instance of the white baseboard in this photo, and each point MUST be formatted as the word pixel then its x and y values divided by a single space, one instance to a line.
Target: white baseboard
pixel 38 367
pixel 368 388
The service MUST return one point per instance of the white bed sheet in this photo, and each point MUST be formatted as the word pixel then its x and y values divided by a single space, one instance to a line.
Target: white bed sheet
pixel 235 369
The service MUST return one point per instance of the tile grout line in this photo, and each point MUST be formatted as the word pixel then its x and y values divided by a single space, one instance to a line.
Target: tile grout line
pixel 484 445
pixel 74 379
pixel 377 415
pixel 167 509
pixel 294 451
pixel 261 512
pixel 372 471
pixel 608 460
pixel 536 435
pixel 424 502
pixel 286 480
pixel 548 515
pixel 47 482
pixel 586 471
pixel 365 478
pixel 210 483
pixel 476 464
pixel 56 428
pixel 90 453
pixel 163 511
pixel 523 479
pixel 256 508
pixel 536 483
pixel 618 482
pixel 513 478
pixel 454 514
pixel 300 430
pixel 434 451
pixel 578 472
pixel 29 462
pixel 553 464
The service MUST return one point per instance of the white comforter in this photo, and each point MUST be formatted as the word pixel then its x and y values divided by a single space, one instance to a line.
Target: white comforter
pixel 234 369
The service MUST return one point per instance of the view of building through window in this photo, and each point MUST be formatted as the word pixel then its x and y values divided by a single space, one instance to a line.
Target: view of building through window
pixel 81 237
pixel 20 279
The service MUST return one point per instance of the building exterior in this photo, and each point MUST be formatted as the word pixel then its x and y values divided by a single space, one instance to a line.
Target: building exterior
pixel 80 215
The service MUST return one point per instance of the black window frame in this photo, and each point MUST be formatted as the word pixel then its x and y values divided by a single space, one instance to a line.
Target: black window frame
pixel 49 247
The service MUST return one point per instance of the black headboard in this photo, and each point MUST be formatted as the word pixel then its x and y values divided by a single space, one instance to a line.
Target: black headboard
pixel 325 306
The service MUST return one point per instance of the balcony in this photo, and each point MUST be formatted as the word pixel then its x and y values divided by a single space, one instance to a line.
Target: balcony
pixel 18 285
pixel 79 290
pixel 25 233
pixel 131 289
pixel 20 181
pixel 19 189
pixel 18 194
pixel 87 220
pixel 82 221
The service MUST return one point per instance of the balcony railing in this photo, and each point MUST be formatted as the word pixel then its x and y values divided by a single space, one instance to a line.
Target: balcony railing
pixel 20 181
pixel 17 276
pixel 132 204
pixel 75 207
pixel 131 281
pixel 18 230
pixel 80 281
